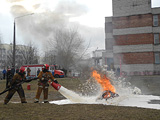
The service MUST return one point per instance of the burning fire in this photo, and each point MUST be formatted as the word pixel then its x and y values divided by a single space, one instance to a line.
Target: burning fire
pixel 103 81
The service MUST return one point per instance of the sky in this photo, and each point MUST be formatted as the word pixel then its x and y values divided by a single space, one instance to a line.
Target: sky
pixel 78 13
pixel 86 15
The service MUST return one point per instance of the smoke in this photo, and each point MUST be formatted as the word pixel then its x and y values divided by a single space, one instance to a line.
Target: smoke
pixel 47 18
pixel 71 8
pixel 12 1
pixel 18 10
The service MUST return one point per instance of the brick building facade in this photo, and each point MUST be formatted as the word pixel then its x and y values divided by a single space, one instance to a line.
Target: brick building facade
pixel 132 37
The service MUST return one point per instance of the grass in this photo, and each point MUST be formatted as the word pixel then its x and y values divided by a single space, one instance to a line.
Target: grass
pixel 31 111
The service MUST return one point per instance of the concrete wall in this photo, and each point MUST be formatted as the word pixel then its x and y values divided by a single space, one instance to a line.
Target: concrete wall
pixel 155 10
pixel 131 7
pixel 138 30
pixel 105 55
pixel 108 53
pixel 134 48
pixel 109 40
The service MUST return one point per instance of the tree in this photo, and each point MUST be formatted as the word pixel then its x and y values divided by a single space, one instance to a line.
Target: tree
pixel 24 55
pixel 68 46
pixel 27 55
pixel 49 57
pixel 10 55
pixel 3 55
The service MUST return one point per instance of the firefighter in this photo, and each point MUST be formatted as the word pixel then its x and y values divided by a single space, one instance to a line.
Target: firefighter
pixel 9 78
pixel 28 71
pixel 44 77
pixel 17 78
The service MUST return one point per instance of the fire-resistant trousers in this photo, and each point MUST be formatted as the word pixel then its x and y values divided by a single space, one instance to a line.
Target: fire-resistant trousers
pixel 43 87
pixel 20 92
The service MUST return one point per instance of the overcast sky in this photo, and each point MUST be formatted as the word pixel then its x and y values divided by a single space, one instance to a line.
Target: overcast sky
pixel 87 15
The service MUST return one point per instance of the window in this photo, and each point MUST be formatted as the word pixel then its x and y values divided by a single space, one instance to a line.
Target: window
pixel 155 20
pixel 157 60
pixel 156 38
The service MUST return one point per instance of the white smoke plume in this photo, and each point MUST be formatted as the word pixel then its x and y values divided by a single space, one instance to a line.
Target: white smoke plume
pixel 40 26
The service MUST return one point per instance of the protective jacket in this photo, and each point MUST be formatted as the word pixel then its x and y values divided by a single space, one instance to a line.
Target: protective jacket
pixel 9 78
pixel 44 77
pixel 17 78
pixel 28 71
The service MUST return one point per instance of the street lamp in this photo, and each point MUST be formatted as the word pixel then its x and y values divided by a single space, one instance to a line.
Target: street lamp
pixel 14 36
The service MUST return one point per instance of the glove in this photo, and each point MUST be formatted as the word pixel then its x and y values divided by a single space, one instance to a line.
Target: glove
pixel 55 81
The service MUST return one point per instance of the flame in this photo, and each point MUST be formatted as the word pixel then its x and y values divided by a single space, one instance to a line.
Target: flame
pixel 103 81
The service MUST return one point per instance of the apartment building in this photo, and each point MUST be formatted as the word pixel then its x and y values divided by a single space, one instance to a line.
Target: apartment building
pixel 23 54
pixel 132 37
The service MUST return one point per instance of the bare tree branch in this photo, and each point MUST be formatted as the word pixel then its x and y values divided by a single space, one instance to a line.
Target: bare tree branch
pixel 68 46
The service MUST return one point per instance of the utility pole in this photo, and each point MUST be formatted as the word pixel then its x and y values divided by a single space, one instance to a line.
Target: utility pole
pixel 14 37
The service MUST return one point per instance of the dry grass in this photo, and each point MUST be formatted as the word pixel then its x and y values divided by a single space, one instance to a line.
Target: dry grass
pixel 31 111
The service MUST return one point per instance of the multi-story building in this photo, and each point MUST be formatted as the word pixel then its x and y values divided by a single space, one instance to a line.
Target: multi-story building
pixel 132 37
pixel 24 54
pixel 5 55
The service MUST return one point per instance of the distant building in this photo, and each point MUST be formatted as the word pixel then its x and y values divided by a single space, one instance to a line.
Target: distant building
pixel 6 55
pixel 97 57
pixel 5 51
pixel 132 37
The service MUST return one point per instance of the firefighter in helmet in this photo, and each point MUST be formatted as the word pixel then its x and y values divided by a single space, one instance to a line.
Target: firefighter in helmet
pixel 16 80
pixel 44 77
pixel 28 71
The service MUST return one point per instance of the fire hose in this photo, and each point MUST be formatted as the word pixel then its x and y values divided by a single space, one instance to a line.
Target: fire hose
pixel 23 81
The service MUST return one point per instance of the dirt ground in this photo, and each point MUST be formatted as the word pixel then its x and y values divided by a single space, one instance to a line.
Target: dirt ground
pixel 41 111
